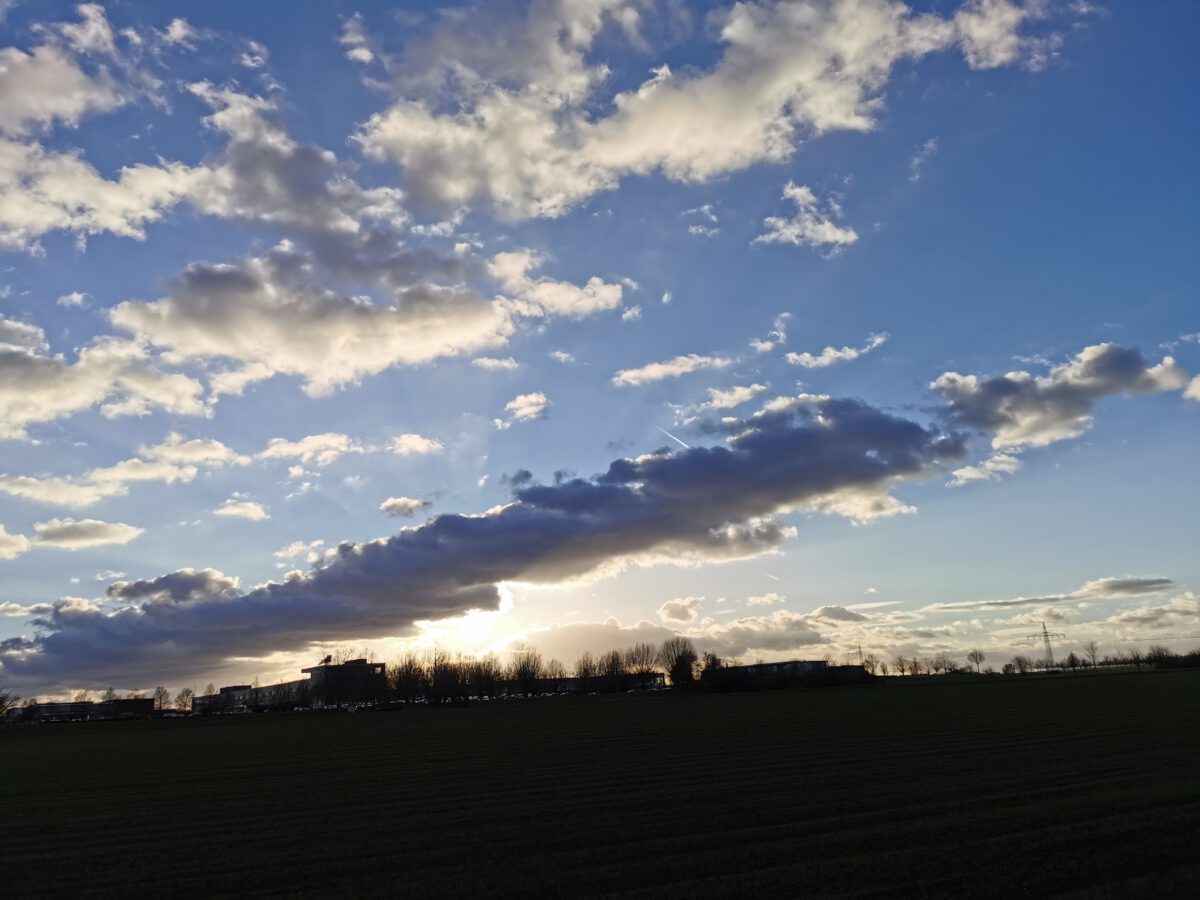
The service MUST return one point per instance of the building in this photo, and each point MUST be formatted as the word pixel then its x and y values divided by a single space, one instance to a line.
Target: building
pixel 123 708
pixel 327 684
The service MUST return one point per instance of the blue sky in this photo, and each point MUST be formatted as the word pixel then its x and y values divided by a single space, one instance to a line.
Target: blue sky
pixel 911 288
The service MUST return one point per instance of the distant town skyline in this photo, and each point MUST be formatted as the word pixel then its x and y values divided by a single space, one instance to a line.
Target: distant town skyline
pixel 786 327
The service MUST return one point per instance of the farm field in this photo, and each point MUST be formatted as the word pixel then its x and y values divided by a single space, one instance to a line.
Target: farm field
pixel 1066 785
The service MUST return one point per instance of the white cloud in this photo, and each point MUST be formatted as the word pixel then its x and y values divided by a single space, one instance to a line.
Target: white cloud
pixel 414 444
pixel 671 368
pixel 75 298
pixel 562 356
pixel 1024 410
pixel 771 599
pixel 506 120
pixel 494 364
pixel 242 509
pixel 198 451
pixel 667 297
pixel 993 468
pixel 12 545
pixel 403 507
pixel 119 376
pixel 831 355
pixel 681 609
pixel 632 314
pixel 731 398
pixel 811 226
pixel 78 534
pixel 1192 392
pixel 524 408
pixel 544 295
pixel 21 336
pixel 319 449
pixel 924 153
pixel 354 39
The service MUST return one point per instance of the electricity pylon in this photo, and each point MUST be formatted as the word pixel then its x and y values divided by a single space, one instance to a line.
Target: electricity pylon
pixel 1045 636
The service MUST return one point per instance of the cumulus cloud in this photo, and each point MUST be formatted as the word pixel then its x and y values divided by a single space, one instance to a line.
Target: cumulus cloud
pixel 181 586
pixel 1024 410
pixel 776 337
pixel 318 449
pixel 494 364
pixel 681 609
pixel 1183 610
pixel 414 445
pixel 242 509
pixel 78 534
pixel 780 631
pixel 700 504
pixel 75 298
pixel 498 110
pixel 178 450
pixel 923 155
pixel 832 355
pixel 671 368
pixel 770 599
pixel 544 295
pixel 266 312
pixel 730 398
pixel 12 545
pixel 812 225
pixel 524 408
pixel 993 468
pixel 403 507
pixel 1098 589
pixel 120 377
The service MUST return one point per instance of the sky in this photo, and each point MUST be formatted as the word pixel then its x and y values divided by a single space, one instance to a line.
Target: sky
pixel 791 327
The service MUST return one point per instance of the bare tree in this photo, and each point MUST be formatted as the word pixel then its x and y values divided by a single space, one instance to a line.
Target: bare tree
pixel 109 694
pixel 162 698
pixel 8 700
pixel 611 666
pixel 525 669
pixel 976 657
pixel 1072 661
pixel 1022 663
pixel 586 666
pixel 1134 655
pixel 640 659
pixel 678 657
pixel 1091 650
pixel 555 670
pixel 710 662
pixel 870 662
pixel 135 694
pixel 883 667
pixel 210 689
pixel 183 700
pixel 82 696
pixel 901 664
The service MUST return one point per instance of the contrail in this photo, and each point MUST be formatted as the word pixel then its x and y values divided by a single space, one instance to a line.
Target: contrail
pixel 675 439
pixel 773 577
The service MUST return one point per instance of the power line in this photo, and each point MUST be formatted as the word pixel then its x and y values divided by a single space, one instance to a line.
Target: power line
pixel 1045 636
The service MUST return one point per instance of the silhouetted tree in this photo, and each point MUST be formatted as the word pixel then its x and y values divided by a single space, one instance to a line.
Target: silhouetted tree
pixel 976 657
pixel 82 696
pixel 901 664
pixel 555 670
pixel 711 662
pixel 1091 650
pixel 162 698
pixel 611 667
pixel 183 700
pixel 1022 663
pixel 525 669
pixel 870 662
pixel 1158 656
pixel 678 657
pixel 210 689
pixel 406 677
pixel 640 659
pixel 1072 661
pixel 1134 655
pixel 586 666
pixel 109 694
pixel 485 675
pixel 7 700
pixel 883 667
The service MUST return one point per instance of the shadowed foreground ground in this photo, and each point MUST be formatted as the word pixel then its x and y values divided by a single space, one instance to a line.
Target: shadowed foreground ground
pixel 989 787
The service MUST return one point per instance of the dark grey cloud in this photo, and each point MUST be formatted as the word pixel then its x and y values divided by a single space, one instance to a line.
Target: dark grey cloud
pixel 701 503
pixel 178 587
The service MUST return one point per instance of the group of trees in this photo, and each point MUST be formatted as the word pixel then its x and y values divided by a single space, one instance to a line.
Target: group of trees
pixel 439 677
pixel 1155 656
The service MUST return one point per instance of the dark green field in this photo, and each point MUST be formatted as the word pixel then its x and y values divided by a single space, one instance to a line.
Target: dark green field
pixel 923 787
